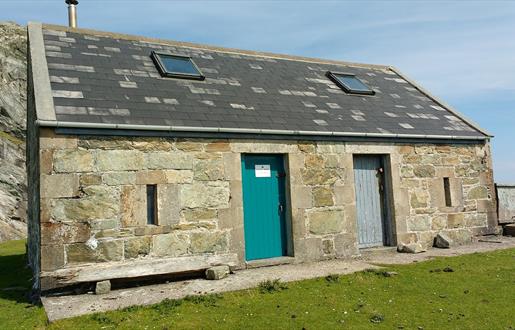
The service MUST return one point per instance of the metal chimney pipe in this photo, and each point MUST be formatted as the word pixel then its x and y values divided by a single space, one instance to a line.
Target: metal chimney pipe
pixel 72 12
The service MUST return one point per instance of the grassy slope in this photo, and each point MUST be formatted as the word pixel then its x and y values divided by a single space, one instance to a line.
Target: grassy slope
pixel 15 311
pixel 479 294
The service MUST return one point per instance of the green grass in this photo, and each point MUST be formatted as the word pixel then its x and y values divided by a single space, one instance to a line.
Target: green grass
pixel 15 310
pixel 474 291
pixel 270 286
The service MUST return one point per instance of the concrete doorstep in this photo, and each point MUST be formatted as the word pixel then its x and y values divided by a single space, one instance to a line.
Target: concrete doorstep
pixel 75 305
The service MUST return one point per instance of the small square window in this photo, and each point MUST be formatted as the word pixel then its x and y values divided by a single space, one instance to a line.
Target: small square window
pixel 176 66
pixel 349 83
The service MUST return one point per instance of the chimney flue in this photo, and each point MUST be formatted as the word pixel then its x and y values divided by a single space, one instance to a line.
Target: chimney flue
pixel 72 12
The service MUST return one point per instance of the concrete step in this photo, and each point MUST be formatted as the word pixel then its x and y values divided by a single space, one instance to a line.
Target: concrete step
pixel 377 251
pixel 270 262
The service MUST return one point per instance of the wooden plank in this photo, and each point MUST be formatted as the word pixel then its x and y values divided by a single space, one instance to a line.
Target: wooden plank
pixel 131 269
pixel 368 200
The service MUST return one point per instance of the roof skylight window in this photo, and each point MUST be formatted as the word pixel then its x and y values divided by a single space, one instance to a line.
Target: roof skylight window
pixel 349 83
pixel 176 66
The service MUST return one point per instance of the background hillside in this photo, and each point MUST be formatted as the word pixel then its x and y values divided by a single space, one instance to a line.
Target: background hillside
pixel 13 85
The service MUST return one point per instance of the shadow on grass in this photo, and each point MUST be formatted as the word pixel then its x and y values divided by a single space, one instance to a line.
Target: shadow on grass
pixel 15 277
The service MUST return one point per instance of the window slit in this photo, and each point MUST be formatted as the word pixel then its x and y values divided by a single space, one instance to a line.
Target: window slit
pixel 151 204
pixel 447 190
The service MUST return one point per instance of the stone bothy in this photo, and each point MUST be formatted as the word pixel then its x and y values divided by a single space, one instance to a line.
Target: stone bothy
pixel 253 158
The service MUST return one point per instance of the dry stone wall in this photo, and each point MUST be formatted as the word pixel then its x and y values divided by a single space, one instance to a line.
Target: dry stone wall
pixel 93 196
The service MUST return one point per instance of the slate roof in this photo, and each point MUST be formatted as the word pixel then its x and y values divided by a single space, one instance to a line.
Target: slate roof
pixel 112 80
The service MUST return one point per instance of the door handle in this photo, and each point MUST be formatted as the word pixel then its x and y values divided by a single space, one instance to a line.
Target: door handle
pixel 281 208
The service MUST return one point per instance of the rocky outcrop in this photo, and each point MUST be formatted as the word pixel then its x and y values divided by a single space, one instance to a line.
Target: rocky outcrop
pixel 13 85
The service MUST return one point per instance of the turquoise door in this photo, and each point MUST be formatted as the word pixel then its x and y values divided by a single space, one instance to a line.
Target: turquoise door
pixel 263 180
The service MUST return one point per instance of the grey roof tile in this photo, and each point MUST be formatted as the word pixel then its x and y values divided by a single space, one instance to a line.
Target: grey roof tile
pixel 122 85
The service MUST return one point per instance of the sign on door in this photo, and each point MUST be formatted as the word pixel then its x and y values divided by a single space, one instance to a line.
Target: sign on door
pixel 262 171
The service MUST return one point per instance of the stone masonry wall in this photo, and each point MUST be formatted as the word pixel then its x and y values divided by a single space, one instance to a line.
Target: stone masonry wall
pixel 469 170
pixel 93 200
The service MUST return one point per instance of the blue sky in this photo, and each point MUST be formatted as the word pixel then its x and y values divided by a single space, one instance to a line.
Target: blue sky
pixel 461 51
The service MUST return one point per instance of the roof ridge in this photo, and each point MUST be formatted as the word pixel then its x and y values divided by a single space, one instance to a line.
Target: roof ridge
pixel 212 48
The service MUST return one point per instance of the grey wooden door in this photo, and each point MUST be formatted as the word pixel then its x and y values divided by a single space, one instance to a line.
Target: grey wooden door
pixel 369 200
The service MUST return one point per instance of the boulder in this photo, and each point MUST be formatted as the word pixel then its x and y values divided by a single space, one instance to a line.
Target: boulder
pixel 103 287
pixel 443 241
pixel 217 272
pixel 411 248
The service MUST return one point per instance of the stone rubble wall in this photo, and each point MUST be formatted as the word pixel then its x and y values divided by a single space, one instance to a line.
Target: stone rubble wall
pixel 13 90
pixel 469 169
pixel 93 196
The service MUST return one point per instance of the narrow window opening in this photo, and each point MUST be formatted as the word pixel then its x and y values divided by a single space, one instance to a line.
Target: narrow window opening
pixel 447 189
pixel 151 204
